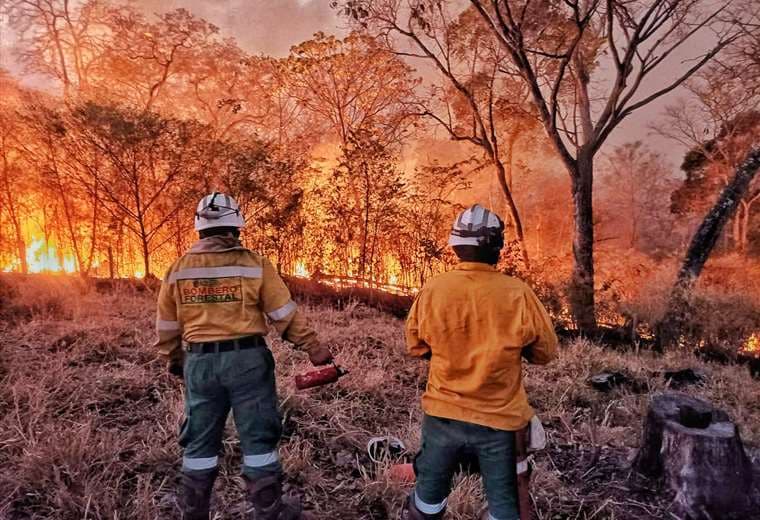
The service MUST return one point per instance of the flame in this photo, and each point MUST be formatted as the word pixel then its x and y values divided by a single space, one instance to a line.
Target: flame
pixel 300 270
pixel 751 347
pixel 45 258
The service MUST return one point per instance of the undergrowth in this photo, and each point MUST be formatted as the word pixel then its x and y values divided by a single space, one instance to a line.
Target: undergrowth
pixel 89 419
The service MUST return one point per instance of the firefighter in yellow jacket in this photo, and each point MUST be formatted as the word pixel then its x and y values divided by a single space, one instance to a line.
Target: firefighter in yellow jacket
pixel 474 324
pixel 214 308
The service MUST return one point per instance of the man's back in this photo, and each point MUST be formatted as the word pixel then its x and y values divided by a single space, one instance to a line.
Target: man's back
pixel 475 322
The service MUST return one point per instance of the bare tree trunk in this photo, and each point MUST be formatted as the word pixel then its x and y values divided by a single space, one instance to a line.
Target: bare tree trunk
pixel 146 255
pixel 14 217
pixel 736 232
pixel 111 270
pixel 745 216
pixel 365 232
pixel 702 244
pixel 93 234
pixel 21 248
pixel 582 281
pixel 513 212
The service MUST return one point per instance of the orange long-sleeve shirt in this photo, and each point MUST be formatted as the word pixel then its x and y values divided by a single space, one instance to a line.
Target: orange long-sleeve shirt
pixel 475 322
pixel 220 291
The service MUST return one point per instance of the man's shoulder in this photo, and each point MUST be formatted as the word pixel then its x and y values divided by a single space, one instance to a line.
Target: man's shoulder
pixel 513 282
pixel 451 280
pixel 241 257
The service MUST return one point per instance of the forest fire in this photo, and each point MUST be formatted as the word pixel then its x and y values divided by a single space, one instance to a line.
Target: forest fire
pixel 400 188
pixel 350 161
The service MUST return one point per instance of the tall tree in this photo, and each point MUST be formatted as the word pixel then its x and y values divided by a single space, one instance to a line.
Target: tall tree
pixel 366 224
pixel 72 191
pixel 476 103
pixel 62 39
pixel 146 167
pixel 634 192
pixel 427 216
pixel 14 185
pixel 704 240
pixel 718 123
pixel 146 56
pixel 353 84
pixel 565 52
pixel 268 185
pixel 709 166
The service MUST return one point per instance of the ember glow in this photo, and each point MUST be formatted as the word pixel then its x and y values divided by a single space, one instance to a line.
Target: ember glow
pixel 752 346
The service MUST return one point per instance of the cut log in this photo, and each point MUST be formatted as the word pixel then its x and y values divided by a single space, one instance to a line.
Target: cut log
pixel 697 452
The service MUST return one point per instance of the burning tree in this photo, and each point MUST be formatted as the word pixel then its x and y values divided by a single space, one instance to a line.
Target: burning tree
pixel 73 192
pixel 562 52
pixel 14 186
pixel 146 167
pixel 427 216
pixel 476 104
pixel 267 182
pixel 364 203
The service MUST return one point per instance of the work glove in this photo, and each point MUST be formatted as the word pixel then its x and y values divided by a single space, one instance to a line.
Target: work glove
pixel 175 368
pixel 320 355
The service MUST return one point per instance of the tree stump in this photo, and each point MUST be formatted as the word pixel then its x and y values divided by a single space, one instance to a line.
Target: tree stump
pixel 697 451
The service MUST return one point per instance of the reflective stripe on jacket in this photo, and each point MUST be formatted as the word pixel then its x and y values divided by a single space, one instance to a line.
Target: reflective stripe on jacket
pixel 475 322
pixel 219 291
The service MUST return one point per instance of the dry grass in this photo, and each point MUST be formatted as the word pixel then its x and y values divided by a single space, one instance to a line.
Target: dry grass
pixel 88 419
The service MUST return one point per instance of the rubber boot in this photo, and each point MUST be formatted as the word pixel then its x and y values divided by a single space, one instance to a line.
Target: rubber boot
pixel 265 495
pixel 195 494
pixel 410 511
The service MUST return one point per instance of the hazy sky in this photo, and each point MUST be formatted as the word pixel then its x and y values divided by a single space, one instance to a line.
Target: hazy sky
pixel 272 27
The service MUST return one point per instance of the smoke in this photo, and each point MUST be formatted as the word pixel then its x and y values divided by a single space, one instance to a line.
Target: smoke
pixel 259 26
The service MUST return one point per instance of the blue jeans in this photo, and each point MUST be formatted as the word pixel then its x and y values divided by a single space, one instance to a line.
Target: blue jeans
pixel 242 381
pixel 444 443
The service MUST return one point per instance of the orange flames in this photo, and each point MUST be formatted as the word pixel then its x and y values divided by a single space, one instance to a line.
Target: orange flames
pixel 42 257
pixel 300 270
pixel 751 347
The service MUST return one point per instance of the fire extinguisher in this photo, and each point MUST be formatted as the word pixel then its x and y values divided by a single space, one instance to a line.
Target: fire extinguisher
pixel 319 377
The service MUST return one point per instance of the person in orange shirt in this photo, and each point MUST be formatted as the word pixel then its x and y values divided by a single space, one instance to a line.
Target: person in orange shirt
pixel 475 325
pixel 215 307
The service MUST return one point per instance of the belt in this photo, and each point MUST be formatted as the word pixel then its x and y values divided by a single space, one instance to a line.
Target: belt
pixel 210 347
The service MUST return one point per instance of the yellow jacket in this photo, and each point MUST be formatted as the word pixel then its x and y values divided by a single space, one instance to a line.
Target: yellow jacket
pixel 218 291
pixel 476 322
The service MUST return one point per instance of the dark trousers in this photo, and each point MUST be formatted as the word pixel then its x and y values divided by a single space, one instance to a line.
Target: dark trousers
pixel 242 381
pixel 444 444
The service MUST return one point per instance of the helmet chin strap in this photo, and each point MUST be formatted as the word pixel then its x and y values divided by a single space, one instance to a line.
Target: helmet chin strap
pixel 212 210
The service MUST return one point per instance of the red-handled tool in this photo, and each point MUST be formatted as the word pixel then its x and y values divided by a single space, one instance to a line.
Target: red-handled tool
pixel 319 377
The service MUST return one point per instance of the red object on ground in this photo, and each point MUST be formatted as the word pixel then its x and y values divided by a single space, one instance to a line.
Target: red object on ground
pixel 402 473
pixel 322 376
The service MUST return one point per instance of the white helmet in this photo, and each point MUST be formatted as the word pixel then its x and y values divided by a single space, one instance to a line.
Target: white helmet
pixel 477 226
pixel 218 210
